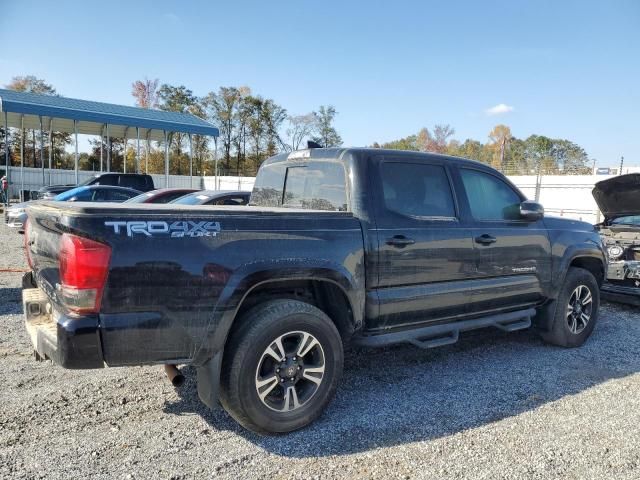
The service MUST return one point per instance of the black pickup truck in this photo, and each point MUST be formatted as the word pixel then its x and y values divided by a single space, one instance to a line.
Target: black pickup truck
pixel 365 247
pixel 138 181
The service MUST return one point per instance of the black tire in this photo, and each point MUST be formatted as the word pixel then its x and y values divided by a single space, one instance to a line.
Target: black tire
pixel 245 359
pixel 564 332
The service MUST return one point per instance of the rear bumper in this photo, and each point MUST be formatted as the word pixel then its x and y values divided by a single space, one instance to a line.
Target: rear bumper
pixel 70 342
pixel 617 293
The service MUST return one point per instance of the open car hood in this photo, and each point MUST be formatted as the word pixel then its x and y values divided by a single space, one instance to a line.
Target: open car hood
pixel 618 196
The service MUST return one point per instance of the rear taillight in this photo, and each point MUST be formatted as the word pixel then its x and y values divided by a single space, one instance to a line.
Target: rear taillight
pixel 84 265
pixel 27 247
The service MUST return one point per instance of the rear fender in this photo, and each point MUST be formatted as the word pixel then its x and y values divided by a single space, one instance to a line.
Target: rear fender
pixel 248 278
pixel 242 283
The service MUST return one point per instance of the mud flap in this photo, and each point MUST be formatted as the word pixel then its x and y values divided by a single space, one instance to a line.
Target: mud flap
pixel 543 320
pixel 208 377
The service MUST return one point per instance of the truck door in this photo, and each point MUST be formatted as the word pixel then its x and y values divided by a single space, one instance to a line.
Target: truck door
pixel 513 255
pixel 424 250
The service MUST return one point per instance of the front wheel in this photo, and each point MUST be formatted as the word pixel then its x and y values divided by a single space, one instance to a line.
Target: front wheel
pixel 281 366
pixel 576 309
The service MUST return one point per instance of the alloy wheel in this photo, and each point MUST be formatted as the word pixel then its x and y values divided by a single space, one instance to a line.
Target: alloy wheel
pixel 290 371
pixel 579 309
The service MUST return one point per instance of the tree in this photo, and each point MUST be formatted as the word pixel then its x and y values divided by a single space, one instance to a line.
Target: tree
pixel 500 138
pixel 176 99
pixel 325 133
pixel 436 141
pixel 32 84
pixel 538 149
pixel 513 156
pixel 255 125
pixel 242 115
pixel 222 110
pixel 146 93
pixel 273 115
pixel 200 143
pixel 471 149
pixel 407 143
pixel 571 158
pixel 300 128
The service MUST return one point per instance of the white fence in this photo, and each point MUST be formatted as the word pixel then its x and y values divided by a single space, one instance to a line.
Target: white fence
pixel 563 195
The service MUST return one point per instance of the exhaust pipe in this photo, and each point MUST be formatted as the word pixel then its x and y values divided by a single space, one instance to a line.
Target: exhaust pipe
pixel 175 377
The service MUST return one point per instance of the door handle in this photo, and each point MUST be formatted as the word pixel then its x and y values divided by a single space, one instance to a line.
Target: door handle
pixel 400 241
pixel 485 239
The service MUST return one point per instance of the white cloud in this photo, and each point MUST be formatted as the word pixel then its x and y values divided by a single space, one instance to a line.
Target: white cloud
pixel 172 18
pixel 499 109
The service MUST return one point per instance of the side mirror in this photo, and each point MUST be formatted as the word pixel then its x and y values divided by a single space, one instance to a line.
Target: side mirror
pixel 531 210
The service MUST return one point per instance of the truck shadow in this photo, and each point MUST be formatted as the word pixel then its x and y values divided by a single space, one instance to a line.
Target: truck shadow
pixel 403 394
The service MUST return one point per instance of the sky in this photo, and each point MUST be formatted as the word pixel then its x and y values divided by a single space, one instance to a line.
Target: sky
pixel 564 69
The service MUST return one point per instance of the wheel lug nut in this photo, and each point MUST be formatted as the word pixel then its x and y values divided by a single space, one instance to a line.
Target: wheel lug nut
pixel 292 379
pixel 277 370
pixel 294 359
pixel 299 367
pixel 281 380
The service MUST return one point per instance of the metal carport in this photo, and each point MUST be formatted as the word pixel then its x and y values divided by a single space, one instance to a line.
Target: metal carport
pixel 52 113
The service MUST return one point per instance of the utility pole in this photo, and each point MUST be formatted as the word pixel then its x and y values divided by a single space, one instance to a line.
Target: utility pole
pixel 621 163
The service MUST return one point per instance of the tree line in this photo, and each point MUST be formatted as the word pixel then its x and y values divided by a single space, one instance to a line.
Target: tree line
pixel 536 154
pixel 253 128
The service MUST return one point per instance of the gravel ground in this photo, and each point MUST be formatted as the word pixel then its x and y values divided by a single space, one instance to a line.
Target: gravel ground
pixel 492 406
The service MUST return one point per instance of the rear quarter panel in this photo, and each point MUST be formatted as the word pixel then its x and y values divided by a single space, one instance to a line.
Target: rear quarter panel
pixel 173 298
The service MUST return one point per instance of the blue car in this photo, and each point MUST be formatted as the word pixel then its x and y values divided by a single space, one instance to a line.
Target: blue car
pixel 16 215
pixel 97 193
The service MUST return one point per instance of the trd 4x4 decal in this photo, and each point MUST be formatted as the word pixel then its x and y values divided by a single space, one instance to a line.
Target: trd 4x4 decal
pixel 178 229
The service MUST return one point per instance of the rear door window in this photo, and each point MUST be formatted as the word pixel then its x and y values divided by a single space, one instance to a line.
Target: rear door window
pixel 417 190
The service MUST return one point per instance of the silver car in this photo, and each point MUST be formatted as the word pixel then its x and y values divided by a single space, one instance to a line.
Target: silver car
pixel 16 215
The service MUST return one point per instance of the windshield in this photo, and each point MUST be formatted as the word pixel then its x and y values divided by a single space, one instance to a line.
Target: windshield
pixel 193 199
pixel 628 220
pixel 87 181
pixel 140 198
pixel 79 193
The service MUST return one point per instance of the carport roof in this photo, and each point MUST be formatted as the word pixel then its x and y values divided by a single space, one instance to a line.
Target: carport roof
pixel 92 117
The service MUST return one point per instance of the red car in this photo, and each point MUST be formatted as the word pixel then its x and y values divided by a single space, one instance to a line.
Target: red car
pixel 162 195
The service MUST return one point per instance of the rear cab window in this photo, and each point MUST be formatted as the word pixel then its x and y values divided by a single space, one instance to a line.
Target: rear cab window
pixel 314 185
pixel 137 182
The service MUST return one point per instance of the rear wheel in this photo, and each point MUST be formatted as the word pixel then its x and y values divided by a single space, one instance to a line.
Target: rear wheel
pixel 281 367
pixel 576 310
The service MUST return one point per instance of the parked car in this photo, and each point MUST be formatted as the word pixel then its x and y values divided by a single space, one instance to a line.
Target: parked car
pixel 369 247
pixel 138 181
pixel 162 195
pixel 97 193
pixel 619 201
pixel 215 197
pixel 16 215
